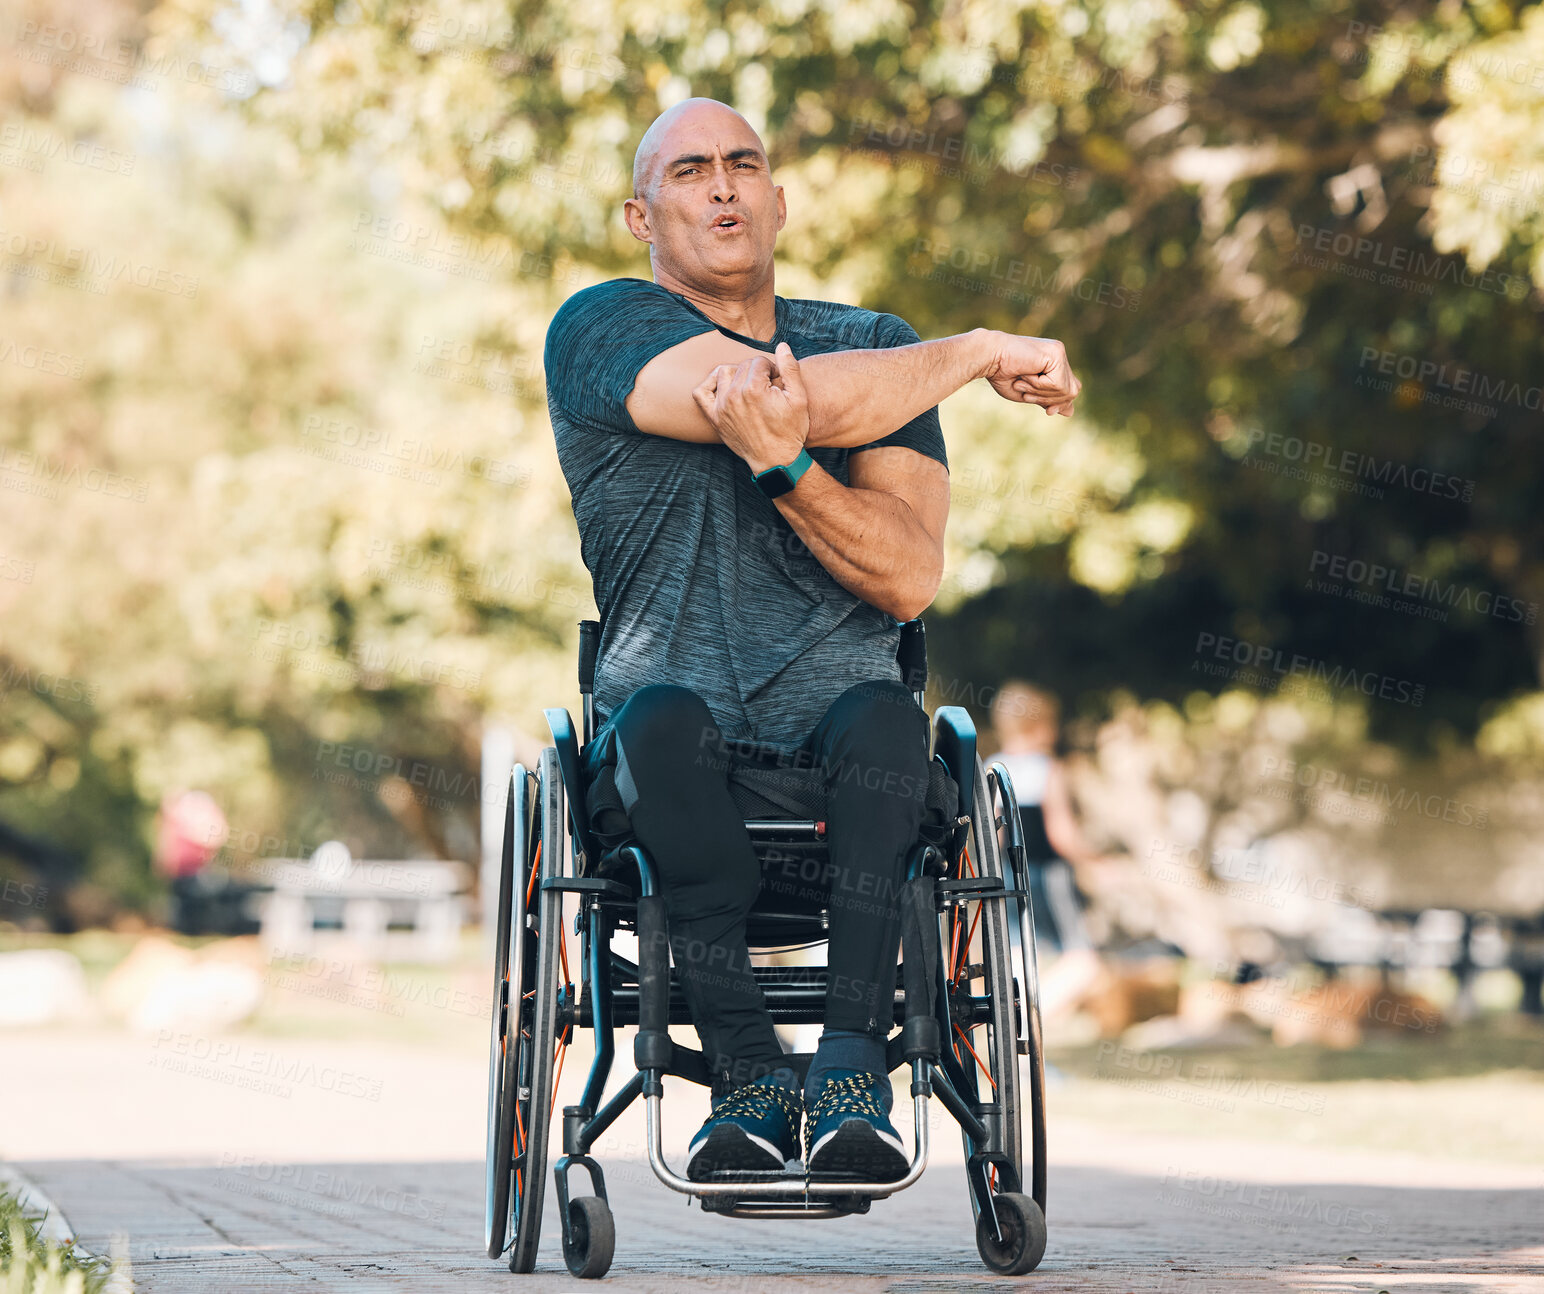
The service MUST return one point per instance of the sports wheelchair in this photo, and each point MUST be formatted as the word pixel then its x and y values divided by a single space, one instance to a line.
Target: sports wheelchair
pixel 966 1002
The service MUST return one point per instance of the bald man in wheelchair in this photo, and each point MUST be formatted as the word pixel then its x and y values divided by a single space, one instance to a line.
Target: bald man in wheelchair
pixel 761 488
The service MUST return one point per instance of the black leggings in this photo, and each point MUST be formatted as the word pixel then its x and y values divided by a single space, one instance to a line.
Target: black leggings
pixel 672 767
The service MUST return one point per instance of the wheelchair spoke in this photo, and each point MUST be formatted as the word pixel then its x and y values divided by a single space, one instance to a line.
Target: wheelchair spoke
pixel 530 887
pixel 562 1052
pixel 979 1061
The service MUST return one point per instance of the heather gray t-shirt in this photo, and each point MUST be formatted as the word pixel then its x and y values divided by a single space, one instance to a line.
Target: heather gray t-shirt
pixel 699 579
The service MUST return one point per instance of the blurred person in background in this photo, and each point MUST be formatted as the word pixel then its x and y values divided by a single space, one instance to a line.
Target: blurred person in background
pixel 190 830
pixel 1026 723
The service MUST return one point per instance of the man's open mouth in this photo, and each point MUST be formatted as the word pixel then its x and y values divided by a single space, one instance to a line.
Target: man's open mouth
pixel 729 222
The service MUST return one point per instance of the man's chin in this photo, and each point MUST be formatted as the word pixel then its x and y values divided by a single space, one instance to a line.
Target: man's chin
pixel 739 259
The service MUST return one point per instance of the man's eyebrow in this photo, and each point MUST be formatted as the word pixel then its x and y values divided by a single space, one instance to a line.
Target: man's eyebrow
pixel 702 159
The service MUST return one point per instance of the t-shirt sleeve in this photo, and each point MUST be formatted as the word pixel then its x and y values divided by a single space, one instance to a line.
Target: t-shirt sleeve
pixel 600 339
pixel 923 433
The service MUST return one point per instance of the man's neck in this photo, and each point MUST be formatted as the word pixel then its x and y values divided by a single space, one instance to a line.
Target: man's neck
pixel 752 314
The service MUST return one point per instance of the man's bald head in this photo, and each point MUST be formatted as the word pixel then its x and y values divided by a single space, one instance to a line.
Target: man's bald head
pixel 646 159
pixel 705 202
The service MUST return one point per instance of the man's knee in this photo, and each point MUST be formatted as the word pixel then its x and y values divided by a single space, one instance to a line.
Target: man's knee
pixel 663 718
pixel 880 716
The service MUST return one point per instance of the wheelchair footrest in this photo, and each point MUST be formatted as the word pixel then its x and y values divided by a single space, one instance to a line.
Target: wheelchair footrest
pixel 828 1204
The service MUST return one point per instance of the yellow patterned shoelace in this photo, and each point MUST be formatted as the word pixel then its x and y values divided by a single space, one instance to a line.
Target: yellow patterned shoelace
pixel 853 1094
pixel 757 1101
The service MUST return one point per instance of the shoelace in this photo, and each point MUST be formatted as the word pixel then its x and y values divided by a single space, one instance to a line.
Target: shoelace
pixel 853 1094
pixel 757 1100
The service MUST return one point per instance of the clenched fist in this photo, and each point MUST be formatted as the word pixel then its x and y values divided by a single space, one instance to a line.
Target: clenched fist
pixel 1033 370
pixel 759 407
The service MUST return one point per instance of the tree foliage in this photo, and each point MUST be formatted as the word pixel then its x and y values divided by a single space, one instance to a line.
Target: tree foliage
pixel 1272 237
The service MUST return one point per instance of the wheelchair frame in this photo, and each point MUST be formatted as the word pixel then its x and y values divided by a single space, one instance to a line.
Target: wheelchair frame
pixel 548 852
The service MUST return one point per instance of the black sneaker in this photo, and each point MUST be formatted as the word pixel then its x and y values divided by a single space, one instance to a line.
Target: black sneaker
pixel 755 1128
pixel 849 1133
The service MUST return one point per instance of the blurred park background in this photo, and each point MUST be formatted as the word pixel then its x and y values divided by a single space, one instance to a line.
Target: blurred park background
pixel 285 551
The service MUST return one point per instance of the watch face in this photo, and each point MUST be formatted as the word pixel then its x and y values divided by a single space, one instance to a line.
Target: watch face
pixel 775 482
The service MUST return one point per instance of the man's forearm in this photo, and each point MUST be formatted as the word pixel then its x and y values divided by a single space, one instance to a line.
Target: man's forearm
pixel 870 541
pixel 859 396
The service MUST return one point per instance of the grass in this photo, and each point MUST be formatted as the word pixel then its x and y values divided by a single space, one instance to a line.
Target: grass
pixel 31 1264
pixel 1475 1093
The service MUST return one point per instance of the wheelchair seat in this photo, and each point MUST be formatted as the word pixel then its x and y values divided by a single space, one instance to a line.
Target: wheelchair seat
pixel 783 803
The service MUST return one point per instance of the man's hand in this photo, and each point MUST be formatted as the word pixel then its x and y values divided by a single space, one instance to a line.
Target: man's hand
pixel 759 408
pixel 1033 370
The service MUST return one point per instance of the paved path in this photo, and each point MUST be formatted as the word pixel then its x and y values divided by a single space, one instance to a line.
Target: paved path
pixel 363 1172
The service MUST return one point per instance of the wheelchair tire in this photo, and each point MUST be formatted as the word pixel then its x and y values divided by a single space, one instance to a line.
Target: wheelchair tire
pixel 988 1049
pixel 591 1238
pixel 1021 1244
pixel 525 1015
pixel 1022 924
pixel 509 926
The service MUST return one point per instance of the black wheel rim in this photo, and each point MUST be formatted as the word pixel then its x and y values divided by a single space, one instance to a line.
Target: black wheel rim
pixel 988 1046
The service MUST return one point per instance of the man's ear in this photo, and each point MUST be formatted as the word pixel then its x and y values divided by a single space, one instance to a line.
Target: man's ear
pixel 636 212
pixel 782 206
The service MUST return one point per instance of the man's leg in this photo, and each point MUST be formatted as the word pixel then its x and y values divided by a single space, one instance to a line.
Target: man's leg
pixel 873 746
pixel 672 775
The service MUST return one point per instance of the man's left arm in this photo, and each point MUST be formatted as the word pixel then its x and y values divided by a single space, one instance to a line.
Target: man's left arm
pixel 882 536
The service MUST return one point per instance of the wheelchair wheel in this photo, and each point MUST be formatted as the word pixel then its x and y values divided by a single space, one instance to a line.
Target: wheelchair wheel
pixel 591 1239
pixel 525 1047
pixel 984 1015
pixel 1016 1243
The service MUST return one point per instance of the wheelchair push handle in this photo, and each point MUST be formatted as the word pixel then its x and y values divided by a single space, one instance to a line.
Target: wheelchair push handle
pixel 911 656
pixel 589 646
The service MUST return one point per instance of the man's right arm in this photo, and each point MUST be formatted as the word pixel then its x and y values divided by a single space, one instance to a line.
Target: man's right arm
pixel 855 396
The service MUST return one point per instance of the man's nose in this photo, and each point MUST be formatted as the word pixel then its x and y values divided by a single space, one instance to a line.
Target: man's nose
pixel 723 185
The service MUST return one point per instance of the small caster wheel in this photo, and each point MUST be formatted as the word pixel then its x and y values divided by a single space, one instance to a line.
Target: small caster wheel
pixel 1022 1244
pixel 591 1237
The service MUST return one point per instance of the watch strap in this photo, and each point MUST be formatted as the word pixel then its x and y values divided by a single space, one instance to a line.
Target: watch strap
pixel 778 481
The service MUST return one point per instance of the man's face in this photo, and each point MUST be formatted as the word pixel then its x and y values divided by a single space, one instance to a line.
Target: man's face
pixel 714 214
